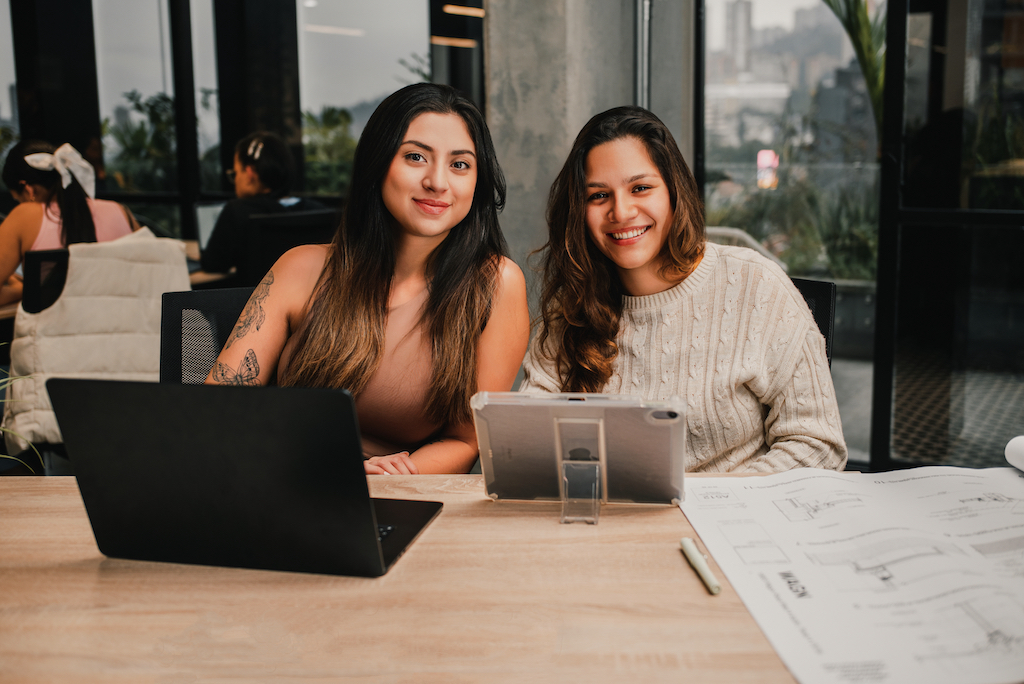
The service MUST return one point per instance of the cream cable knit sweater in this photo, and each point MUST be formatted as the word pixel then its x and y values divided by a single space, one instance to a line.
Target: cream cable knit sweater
pixel 736 340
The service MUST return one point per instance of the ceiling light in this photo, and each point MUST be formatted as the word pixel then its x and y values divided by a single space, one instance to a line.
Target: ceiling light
pixel 463 11
pixel 453 42
pixel 335 30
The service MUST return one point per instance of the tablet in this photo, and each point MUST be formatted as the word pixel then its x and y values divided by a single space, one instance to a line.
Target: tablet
pixel 524 439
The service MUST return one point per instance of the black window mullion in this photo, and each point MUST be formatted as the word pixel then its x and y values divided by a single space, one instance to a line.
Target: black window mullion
pixel 888 236
pixel 187 139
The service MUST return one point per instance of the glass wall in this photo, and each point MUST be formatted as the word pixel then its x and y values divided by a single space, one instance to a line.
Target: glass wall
pixel 351 56
pixel 964 117
pixel 8 97
pixel 791 160
pixel 954 235
pixel 204 64
pixel 136 95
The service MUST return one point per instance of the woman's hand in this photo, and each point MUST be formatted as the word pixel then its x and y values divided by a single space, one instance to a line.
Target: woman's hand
pixel 392 464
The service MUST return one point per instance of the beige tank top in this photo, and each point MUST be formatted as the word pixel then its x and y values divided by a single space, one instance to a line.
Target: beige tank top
pixel 392 408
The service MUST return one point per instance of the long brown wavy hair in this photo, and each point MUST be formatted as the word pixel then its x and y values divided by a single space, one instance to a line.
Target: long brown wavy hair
pixel 341 341
pixel 581 303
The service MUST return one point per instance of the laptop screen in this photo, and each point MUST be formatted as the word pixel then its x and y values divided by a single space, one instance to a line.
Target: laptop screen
pixel 206 218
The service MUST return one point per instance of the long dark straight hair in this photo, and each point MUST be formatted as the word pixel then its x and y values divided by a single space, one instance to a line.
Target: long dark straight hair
pixel 342 339
pixel 581 303
pixel 76 224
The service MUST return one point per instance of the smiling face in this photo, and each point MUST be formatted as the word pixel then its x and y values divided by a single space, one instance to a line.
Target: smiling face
pixel 430 184
pixel 629 212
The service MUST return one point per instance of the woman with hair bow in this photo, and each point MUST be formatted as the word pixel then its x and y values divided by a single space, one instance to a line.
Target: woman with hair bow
pixel 56 191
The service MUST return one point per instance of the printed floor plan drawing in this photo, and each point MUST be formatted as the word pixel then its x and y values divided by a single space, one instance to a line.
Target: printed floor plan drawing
pixel 797 509
pixel 910 576
pixel 890 562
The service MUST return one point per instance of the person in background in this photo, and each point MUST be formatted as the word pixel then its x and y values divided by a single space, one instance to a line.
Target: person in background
pixel 263 175
pixel 636 301
pixel 415 306
pixel 56 191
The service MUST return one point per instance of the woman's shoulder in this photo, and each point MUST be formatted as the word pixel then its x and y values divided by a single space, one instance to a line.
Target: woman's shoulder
pixel 26 210
pixel 293 278
pixel 773 282
pixel 736 256
pixel 509 272
pixel 303 261
pixel 25 217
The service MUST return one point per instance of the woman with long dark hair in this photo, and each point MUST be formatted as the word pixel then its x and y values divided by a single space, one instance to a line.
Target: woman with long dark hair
pixel 55 189
pixel 636 301
pixel 414 307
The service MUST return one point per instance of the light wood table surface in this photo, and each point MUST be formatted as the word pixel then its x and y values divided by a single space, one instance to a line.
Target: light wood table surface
pixel 490 592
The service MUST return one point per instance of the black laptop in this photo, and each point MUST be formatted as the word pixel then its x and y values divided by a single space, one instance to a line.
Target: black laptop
pixel 250 477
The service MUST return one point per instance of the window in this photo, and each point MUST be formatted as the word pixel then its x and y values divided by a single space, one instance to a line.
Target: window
pixel 352 56
pixel 137 99
pixel 791 159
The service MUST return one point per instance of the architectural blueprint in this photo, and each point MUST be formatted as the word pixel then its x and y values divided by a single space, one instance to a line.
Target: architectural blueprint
pixel 908 576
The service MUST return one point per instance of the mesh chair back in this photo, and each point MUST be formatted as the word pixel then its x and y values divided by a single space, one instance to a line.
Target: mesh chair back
pixel 271 235
pixel 820 296
pixel 194 326
pixel 46 271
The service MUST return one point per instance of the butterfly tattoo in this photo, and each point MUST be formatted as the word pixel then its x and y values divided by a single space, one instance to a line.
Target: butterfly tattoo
pixel 247 373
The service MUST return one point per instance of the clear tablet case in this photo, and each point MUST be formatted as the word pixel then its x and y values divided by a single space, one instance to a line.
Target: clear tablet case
pixel 525 438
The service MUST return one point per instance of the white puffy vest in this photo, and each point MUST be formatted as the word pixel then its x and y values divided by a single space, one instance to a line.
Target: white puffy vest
pixel 105 324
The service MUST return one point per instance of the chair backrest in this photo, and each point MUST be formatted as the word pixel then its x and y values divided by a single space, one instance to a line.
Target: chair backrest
pixel 268 236
pixel 821 299
pixel 45 273
pixel 194 326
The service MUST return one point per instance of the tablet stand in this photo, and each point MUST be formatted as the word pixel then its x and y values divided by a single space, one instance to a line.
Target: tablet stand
pixel 582 461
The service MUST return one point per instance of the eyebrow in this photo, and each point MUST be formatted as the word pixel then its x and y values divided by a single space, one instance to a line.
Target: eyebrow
pixel 428 148
pixel 633 179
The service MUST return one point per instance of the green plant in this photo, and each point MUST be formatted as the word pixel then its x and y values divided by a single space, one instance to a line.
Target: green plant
pixel 867 35
pixel 329 149
pixel 4 383
pixel 781 219
pixel 847 223
pixel 146 150
pixel 419 66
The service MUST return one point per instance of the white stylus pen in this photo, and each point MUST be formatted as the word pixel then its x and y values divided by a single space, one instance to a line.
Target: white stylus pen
pixel 697 560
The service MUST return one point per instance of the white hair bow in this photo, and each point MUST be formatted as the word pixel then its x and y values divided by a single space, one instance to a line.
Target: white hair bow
pixel 67 162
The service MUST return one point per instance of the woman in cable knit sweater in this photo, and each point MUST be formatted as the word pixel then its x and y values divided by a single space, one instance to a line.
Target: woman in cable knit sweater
pixel 635 301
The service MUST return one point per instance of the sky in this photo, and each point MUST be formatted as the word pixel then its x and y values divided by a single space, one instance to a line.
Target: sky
pixel 764 13
pixel 6 59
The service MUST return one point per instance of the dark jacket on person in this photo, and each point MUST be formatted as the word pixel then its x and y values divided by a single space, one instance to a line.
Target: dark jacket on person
pixel 226 247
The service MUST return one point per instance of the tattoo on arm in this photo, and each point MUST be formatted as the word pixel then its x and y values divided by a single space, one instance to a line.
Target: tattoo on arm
pixel 253 315
pixel 247 374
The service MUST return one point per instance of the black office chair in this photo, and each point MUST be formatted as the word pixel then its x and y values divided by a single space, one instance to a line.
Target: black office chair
pixel 271 235
pixel 820 296
pixel 45 272
pixel 194 326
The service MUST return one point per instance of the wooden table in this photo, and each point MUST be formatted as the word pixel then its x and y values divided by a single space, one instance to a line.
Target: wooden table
pixel 490 592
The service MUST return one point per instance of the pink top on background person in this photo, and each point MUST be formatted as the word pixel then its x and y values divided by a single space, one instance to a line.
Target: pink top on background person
pixel 108 217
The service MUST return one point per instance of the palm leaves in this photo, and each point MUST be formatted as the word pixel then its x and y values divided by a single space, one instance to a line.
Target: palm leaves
pixel 867 34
